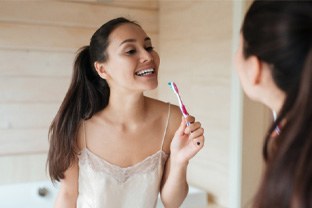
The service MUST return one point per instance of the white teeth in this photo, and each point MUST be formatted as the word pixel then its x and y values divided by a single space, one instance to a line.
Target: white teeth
pixel 145 72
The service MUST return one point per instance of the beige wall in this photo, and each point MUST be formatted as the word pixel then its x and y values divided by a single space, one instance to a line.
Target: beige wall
pixel 195 40
pixel 255 124
pixel 195 49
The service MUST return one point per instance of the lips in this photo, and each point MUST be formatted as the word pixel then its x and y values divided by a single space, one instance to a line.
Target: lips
pixel 145 72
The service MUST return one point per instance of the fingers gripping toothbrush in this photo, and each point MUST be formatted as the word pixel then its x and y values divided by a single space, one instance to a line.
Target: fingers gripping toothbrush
pixel 182 106
pixel 175 89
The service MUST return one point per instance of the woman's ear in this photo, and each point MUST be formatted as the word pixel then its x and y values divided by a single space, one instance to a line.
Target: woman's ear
pixel 254 71
pixel 101 70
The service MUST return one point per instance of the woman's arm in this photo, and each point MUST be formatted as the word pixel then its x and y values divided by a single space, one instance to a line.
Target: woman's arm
pixel 175 187
pixel 187 141
pixel 67 196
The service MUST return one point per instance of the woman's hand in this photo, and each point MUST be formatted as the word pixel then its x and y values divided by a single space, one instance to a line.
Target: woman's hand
pixel 187 141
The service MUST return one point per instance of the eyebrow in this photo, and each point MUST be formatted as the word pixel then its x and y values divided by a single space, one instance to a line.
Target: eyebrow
pixel 134 40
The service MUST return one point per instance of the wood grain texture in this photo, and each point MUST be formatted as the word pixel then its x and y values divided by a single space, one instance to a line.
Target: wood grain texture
pixel 142 4
pixel 30 63
pixel 23 141
pixel 76 14
pixel 33 115
pixel 42 37
pixel 196 54
pixel 46 38
pixel 32 89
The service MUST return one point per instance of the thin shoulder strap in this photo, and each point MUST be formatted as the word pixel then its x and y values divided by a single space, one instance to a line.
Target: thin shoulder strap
pixel 84 134
pixel 167 122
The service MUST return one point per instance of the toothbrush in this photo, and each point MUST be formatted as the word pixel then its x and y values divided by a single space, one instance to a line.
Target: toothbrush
pixel 175 89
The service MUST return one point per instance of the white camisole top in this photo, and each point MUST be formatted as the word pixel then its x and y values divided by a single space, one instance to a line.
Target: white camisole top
pixel 105 185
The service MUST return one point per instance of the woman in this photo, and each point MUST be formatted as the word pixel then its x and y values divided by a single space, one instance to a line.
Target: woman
pixel 274 63
pixel 109 144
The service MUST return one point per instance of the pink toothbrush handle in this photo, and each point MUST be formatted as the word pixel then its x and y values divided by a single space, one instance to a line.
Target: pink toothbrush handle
pixel 184 111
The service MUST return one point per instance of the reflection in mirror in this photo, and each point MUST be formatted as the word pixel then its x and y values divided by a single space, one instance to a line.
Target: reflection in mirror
pixel 37 49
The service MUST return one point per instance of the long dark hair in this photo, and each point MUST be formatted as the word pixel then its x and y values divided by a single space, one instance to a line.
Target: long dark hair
pixel 280 34
pixel 88 93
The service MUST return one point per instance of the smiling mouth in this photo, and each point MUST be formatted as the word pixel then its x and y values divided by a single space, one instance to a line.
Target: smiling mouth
pixel 145 72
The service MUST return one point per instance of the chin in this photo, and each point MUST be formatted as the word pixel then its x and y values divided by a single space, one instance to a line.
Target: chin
pixel 153 86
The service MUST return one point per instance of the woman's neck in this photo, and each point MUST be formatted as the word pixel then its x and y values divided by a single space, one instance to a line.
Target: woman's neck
pixel 127 108
pixel 275 100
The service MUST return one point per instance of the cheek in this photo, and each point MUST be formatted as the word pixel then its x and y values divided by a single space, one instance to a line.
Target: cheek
pixel 156 59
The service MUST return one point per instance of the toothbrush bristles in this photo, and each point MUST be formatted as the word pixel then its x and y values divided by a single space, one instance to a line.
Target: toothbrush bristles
pixel 174 87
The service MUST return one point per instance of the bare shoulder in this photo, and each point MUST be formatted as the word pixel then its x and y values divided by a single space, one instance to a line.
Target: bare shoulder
pixel 173 125
pixel 156 104
pixel 176 114
pixel 161 108
pixel 174 120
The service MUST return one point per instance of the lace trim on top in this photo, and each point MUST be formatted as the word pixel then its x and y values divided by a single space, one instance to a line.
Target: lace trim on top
pixel 121 174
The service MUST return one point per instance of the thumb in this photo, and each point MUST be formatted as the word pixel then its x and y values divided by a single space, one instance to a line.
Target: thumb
pixel 180 130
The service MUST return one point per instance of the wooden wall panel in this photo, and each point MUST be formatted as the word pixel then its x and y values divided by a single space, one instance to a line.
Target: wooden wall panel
pixel 75 14
pixel 257 119
pixel 142 4
pixel 23 141
pixel 27 115
pixel 196 53
pixel 30 63
pixel 47 38
pixel 32 89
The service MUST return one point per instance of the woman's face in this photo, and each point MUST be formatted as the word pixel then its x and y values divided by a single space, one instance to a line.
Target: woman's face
pixel 132 63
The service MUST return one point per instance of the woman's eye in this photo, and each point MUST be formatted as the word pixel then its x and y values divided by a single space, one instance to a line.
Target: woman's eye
pixel 151 48
pixel 131 52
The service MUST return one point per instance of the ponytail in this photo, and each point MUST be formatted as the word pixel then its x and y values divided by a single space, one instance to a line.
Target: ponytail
pixel 88 93
pixel 288 177
pixel 279 34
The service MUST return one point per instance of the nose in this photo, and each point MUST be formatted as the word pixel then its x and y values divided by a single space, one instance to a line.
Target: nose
pixel 146 56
